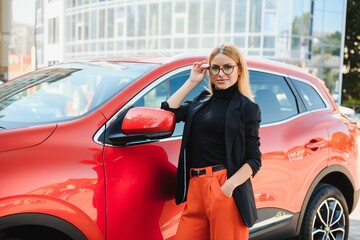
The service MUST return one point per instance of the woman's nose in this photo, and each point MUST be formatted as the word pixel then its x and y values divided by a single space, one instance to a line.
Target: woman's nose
pixel 221 73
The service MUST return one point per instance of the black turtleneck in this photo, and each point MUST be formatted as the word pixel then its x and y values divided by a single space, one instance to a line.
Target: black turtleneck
pixel 207 137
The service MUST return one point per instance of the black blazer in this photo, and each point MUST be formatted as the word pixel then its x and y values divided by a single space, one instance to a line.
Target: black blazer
pixel 242 146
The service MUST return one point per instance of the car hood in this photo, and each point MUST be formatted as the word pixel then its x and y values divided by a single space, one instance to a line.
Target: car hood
pixel 24 137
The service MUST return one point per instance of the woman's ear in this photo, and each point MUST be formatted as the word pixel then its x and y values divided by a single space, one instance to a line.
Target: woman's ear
pixel 240 70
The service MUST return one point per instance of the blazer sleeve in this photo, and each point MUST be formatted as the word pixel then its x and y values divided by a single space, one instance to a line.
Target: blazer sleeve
pixel 252 139
pixel 182 111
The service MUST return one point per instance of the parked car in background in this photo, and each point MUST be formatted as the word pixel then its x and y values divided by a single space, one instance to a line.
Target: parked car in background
pixel 86 153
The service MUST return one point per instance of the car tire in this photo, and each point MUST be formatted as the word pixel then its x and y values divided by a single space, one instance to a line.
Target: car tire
pixel 326 216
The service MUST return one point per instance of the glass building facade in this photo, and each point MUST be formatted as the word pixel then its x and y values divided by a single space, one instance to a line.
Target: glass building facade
pixel 306 33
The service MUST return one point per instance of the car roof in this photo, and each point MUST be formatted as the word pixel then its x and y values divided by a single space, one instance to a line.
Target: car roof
pixel 186 58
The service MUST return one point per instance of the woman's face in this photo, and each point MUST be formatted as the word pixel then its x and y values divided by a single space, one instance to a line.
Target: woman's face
pixel 224 71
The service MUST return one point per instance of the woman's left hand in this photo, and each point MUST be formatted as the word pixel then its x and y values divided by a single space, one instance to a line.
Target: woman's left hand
pixel 227 188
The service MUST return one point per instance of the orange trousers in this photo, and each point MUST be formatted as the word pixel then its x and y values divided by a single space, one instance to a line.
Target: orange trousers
pixel 209 213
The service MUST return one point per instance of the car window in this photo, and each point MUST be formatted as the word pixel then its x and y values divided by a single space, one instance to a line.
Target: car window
pixel 274 97
pixel 165 89
pixel 63 92
pixel 309 95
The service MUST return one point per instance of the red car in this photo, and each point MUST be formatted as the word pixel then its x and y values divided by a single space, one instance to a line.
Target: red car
pixel 86 153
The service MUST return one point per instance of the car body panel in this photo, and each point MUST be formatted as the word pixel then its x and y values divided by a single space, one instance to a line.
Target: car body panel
pixel 44 205
pixel 286 159
pixel 74 176
pixel 344 143
pixel 13 139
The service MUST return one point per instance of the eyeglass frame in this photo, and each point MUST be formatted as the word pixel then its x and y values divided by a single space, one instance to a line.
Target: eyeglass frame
pixel 222 69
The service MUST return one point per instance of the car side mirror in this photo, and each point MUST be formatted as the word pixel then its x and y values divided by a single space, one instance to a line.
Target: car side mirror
pixel 144 123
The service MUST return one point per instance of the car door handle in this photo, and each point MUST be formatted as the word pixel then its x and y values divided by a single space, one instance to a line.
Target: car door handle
pixel 314 145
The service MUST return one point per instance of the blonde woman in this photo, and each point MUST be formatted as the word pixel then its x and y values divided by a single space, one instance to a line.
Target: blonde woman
pixel 219 151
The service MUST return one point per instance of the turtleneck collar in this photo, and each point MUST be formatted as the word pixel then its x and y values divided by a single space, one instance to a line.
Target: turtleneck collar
pixel 226 93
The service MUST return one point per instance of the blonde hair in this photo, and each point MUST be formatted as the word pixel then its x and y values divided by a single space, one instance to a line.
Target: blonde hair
pixel 234 53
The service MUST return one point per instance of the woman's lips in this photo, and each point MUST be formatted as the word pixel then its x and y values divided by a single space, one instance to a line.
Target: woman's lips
pixel 221 80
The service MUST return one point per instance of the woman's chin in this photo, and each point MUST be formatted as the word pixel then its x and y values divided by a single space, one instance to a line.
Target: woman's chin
pixel 222 86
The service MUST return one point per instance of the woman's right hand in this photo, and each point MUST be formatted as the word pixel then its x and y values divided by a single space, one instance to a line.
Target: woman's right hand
pixel 198 72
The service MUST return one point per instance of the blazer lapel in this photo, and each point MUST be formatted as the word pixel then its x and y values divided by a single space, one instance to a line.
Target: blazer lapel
pixel 193 108
pixel 232 122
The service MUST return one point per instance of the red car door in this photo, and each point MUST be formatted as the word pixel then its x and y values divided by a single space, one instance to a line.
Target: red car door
pixel 140 176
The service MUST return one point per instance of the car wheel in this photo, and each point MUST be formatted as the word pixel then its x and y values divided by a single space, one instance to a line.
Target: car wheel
pixel 326 216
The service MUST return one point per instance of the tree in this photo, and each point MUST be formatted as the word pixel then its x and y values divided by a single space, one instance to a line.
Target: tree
pixel 300 27
pixel 351 76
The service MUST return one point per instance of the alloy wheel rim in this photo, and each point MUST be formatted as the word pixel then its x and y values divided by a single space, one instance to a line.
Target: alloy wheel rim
pixel 329 222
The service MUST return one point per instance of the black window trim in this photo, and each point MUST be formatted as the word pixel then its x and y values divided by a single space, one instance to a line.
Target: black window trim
pixel 327 104
pixel 301 106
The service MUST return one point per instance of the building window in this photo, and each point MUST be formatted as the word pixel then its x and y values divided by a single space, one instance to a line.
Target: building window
pixel 166 18
pixel 209 16
pixel 131 20
pixel 254 42
pixel 79 31
pixel 93 24
pixel 102 23
pixel 240 16
pixel 86 25
pixel 165 43
pixel 269 42
pixel 179 21
pixel 269 21
pixel 208 42
pixel 194 17
pixel 239 41
pixel 255 16
pixel 180 6
pixel 73 27
pixel 179 43
pixel 141 21
pixel 224 23
pixel 153 19
pixel 120 28
pixel 53 27
pixel 110 23
pixel 193 42
pixel 270 4
pixel 120 21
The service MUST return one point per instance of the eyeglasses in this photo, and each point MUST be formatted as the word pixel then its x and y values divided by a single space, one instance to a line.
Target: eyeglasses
pixel 227 69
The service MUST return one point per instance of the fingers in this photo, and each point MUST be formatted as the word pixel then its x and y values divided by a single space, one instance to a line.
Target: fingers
pixel 205 66
pixel 198 71
pixel 201 66
pixel 226 191
pixel 227 188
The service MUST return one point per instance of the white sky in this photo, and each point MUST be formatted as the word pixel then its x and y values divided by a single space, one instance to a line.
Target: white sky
pixel 23 11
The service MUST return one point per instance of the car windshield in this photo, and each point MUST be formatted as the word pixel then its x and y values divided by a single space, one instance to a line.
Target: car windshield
pixel 64 91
